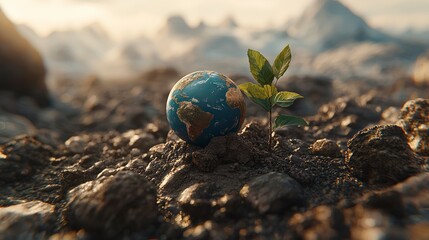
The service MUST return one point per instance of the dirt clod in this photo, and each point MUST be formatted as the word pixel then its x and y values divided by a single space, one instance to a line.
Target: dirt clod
pixel 326 147
pixel 273 192
pixel 111 205
pixel 382 155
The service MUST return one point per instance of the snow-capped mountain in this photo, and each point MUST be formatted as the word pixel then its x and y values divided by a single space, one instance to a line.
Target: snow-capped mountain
pixel 176 26
pixel 328 23
pixel 340 44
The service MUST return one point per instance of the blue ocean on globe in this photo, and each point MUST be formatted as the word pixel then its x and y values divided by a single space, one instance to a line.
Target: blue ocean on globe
pixel 203 105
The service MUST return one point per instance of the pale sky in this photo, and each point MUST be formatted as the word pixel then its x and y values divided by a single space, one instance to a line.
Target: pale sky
pixel 133 17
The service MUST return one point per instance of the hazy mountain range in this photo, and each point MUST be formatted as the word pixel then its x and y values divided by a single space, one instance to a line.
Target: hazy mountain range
pixel 328 39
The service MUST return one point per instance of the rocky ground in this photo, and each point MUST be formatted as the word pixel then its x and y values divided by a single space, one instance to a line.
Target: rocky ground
pixel 100 163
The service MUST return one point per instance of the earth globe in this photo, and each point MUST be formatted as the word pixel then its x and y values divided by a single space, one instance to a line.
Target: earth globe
pixel 203 105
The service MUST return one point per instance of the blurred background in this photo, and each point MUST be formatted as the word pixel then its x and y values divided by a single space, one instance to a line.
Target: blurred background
pixel 121 38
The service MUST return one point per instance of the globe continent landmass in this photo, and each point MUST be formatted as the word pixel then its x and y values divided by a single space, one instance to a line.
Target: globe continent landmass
pixel 203 105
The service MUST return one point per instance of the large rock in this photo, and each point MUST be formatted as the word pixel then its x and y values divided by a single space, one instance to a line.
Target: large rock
pixel 415 121
pixel 381 155
pixel 273 192
pixel 31 220
pixel 114 204
pixel 22 70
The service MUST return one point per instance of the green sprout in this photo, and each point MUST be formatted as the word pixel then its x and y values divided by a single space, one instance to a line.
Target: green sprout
pixel 265 93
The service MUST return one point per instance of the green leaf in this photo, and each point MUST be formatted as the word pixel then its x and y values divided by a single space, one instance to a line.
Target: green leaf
pixel 287 120
pixel 261 95
pixel 260 67
pixel 282 61
pixel 270 90
pixel 286 99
